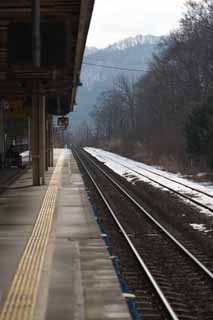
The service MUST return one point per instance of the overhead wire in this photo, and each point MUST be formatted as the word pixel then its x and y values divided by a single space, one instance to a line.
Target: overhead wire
pixel 113 67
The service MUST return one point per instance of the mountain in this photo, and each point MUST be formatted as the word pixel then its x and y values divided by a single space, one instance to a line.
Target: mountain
pixel 134 41
pixel 90 50
pixel 133 53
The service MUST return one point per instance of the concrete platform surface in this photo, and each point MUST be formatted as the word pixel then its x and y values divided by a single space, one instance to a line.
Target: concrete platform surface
pixel 19 207
pixel 77 279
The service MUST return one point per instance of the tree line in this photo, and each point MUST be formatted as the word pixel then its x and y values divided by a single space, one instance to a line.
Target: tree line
pixel 166 115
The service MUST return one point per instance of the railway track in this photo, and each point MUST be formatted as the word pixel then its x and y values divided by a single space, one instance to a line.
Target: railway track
pixel 185 196
pixel 168 280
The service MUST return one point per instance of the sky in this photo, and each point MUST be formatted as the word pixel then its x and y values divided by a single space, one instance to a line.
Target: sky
pixel 114 20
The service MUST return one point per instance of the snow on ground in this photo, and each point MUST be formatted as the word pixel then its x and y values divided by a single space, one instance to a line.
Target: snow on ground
pixel 200 227
pixel 133 171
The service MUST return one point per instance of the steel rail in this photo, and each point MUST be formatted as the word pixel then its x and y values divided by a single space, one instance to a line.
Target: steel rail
pixel 161 175
pixel 177 182
pixel 156 223
pixel 166 187
pixel 161 295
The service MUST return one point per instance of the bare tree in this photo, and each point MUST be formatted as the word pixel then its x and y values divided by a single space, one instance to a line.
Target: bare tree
pixel 155 110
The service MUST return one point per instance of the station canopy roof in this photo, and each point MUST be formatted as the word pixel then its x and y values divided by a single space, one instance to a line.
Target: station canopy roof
pixel 64 27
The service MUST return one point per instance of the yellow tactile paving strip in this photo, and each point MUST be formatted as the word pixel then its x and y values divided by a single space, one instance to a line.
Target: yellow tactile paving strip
pixel 20 301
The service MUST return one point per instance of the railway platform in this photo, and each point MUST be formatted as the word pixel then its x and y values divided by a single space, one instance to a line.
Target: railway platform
pixel 54 263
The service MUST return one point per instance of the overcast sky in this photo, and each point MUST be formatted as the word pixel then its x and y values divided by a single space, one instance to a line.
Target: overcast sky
pixel 114 20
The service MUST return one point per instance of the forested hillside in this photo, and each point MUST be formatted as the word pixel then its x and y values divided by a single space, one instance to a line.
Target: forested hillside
pixel 133 53
pixel 166 117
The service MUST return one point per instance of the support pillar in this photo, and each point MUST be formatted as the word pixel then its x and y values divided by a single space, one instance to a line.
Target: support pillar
pixel 3 47
pixel 47 142
pixel 2 150
pixel 38 139
pixel 35 139
pixel 36 36
pixel 3 65
pixel 42 138
pixel 29 138
pixel 36 99
pixel 51 140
